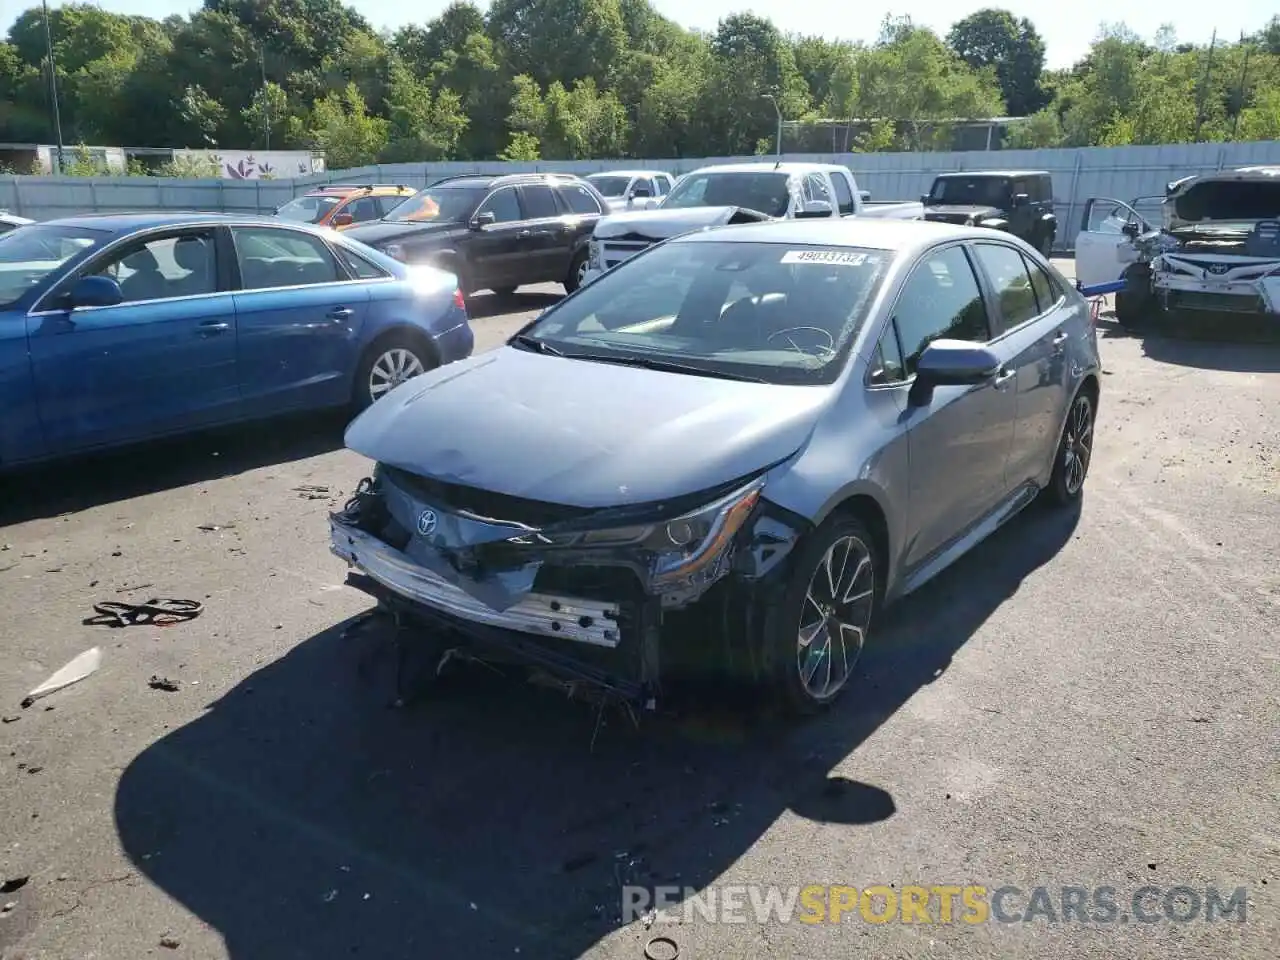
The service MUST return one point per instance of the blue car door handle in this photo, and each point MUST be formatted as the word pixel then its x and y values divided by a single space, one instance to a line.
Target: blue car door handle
pixel 1003 376
pixel 1059 342
pixel 209 327
pixel 340 313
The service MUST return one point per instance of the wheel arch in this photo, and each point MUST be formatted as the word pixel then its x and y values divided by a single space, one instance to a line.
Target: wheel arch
pixel 384 337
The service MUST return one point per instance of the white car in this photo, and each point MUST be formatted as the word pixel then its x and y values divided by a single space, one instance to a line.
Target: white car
pixel 776 191
pixel 10 221
pixel 632 189
pixel 1214 247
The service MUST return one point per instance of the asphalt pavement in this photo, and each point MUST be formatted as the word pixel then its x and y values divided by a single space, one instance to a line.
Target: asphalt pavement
pixel 1088 700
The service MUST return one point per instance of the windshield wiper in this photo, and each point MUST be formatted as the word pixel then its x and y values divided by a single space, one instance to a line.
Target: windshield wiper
pixel 667 366
pixel 533 343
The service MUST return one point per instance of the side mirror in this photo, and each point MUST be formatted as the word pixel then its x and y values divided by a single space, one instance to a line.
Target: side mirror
pixel 1021 199
pixel 814 208
pixel 864 196
pixel 924 198
pixel 1131 229
pixel 482 220
pixel 955 363
pixel 95 292
pixel 343 220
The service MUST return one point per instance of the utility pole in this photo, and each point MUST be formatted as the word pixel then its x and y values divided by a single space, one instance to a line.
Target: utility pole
pixel 53 84
pixel 1244 74
pixel 778 110
pixel 1204 89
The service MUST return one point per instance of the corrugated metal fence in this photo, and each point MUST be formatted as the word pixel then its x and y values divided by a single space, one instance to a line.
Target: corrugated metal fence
pixel 1120 172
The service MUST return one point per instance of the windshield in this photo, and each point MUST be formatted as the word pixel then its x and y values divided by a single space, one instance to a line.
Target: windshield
pixel 308 209
pixel 770 193
pixel 765 311
pixel 608 185
pixel 444 204
pixel 974 191
pixel 30 254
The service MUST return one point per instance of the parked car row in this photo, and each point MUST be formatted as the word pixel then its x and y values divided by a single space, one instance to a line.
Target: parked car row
pixel 774 408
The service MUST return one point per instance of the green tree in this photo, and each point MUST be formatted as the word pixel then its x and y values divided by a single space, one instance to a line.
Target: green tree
pixel 341 127
pixel 1013 48
pixel 422 126
pixel 268 115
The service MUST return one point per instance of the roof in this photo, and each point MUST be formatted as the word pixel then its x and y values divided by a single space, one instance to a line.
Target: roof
pixel 994 173
pixel 486 180
pixel 623 173
pixel 868 232
pixel 767 167
pixel 349 188
pixel 127 222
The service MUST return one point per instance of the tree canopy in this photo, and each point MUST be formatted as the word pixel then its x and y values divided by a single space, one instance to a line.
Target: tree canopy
pixel 574 79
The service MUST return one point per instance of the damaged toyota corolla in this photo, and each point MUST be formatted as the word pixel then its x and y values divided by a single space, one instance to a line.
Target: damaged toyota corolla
pixel 726 454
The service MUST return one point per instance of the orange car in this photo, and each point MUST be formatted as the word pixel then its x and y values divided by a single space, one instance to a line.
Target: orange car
pixel 340 205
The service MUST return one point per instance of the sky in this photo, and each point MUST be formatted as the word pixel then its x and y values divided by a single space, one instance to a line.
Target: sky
pixel 1067 27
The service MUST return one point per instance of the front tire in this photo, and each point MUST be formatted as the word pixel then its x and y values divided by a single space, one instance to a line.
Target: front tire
pixel 819 630
pixel 1136 303
pixel 1074 452
pixel 387 363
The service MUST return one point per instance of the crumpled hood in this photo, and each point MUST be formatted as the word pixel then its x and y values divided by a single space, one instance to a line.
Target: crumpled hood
pixel 954 211
pixel 582 434
pixel 386 231
pixel 660 224
pixel 1238 198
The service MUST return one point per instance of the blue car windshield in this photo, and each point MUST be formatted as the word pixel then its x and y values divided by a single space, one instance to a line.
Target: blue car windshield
pixel 774 312
pixel 30 254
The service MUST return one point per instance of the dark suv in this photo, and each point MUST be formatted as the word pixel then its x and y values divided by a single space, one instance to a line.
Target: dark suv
pixel 1015 201
pixel 495 232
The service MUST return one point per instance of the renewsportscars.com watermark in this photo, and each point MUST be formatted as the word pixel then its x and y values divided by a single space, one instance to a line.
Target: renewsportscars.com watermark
pixel 941 903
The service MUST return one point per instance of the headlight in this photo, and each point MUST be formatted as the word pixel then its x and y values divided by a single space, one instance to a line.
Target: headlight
pixel 679 548
pixel 969 222
pixel 394 250
pixel 593 254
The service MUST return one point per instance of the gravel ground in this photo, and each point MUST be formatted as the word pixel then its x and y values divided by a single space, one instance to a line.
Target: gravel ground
pixel 1086 701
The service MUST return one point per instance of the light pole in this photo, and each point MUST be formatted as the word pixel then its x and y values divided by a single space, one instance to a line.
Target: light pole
pixel 778 110
pixel 53 82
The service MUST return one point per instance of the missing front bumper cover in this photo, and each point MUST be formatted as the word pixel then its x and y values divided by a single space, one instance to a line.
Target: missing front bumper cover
pixel 593 622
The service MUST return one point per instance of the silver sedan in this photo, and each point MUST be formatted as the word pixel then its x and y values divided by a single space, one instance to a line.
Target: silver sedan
pixel 728 452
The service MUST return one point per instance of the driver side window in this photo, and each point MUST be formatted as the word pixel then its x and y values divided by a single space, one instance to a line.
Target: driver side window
pixel 503 205
pixel 940 300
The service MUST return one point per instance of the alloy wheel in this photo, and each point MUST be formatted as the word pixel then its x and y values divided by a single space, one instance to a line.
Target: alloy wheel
pixel 393 368
pixel 834 617
pixel 1077 444
pixel 581 274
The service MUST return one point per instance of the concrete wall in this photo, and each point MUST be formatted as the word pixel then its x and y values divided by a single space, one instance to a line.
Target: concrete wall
pixel 1120 172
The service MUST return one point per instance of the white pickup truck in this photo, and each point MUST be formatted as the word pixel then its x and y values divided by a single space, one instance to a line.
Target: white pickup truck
pixel 632 189
pixel 735 193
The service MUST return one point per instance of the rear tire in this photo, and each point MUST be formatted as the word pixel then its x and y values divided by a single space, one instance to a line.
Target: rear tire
pixel 816 634
pixel 1074 452
pixel 389 361
pixel 577 272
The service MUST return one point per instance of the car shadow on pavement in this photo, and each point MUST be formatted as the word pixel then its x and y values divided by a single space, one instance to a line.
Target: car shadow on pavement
pixel 485 305
pixel 1202 350
pixel 52 489
pixel 301 818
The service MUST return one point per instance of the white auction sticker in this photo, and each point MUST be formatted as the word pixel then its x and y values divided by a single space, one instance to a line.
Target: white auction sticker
pixel 841 257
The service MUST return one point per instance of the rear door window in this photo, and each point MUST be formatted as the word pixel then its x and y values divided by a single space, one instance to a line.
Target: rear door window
pixel 503 205
pixel 1011 283
pixel 539 203
pixel 1047 291
pixel 844 196
pixel 578 199
pixel 282 258
pixel 364 209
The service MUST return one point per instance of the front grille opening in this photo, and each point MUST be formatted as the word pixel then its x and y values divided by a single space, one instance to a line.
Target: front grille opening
pixel 457 497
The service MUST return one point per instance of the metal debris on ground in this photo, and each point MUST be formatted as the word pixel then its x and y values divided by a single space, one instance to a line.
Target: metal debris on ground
pixel 170 943
pixel 12 718
pixel 75 671
pixel 156 612
pixel 313 491
pixel 215 527
pixel 13 885
pixel 162 683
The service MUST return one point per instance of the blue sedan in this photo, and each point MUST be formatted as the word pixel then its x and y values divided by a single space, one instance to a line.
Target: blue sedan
pixel 121 328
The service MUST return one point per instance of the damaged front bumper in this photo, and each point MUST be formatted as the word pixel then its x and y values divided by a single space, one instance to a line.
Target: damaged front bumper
pixel 586 599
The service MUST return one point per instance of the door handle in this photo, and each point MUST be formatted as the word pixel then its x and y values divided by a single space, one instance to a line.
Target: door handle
pixel 524 233
pixel 210 327
pixel 1059 341
pixel 340 313
pixel 1003 377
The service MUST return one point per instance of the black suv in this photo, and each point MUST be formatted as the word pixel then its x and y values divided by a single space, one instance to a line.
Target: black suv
pixel 1015 201
pixel 495 232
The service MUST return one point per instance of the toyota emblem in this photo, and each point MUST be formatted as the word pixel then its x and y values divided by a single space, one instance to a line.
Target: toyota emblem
pixel 427 523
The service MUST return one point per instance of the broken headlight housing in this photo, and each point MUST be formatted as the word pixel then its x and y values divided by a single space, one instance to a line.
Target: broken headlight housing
pixel 593 254
pixel 680 548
